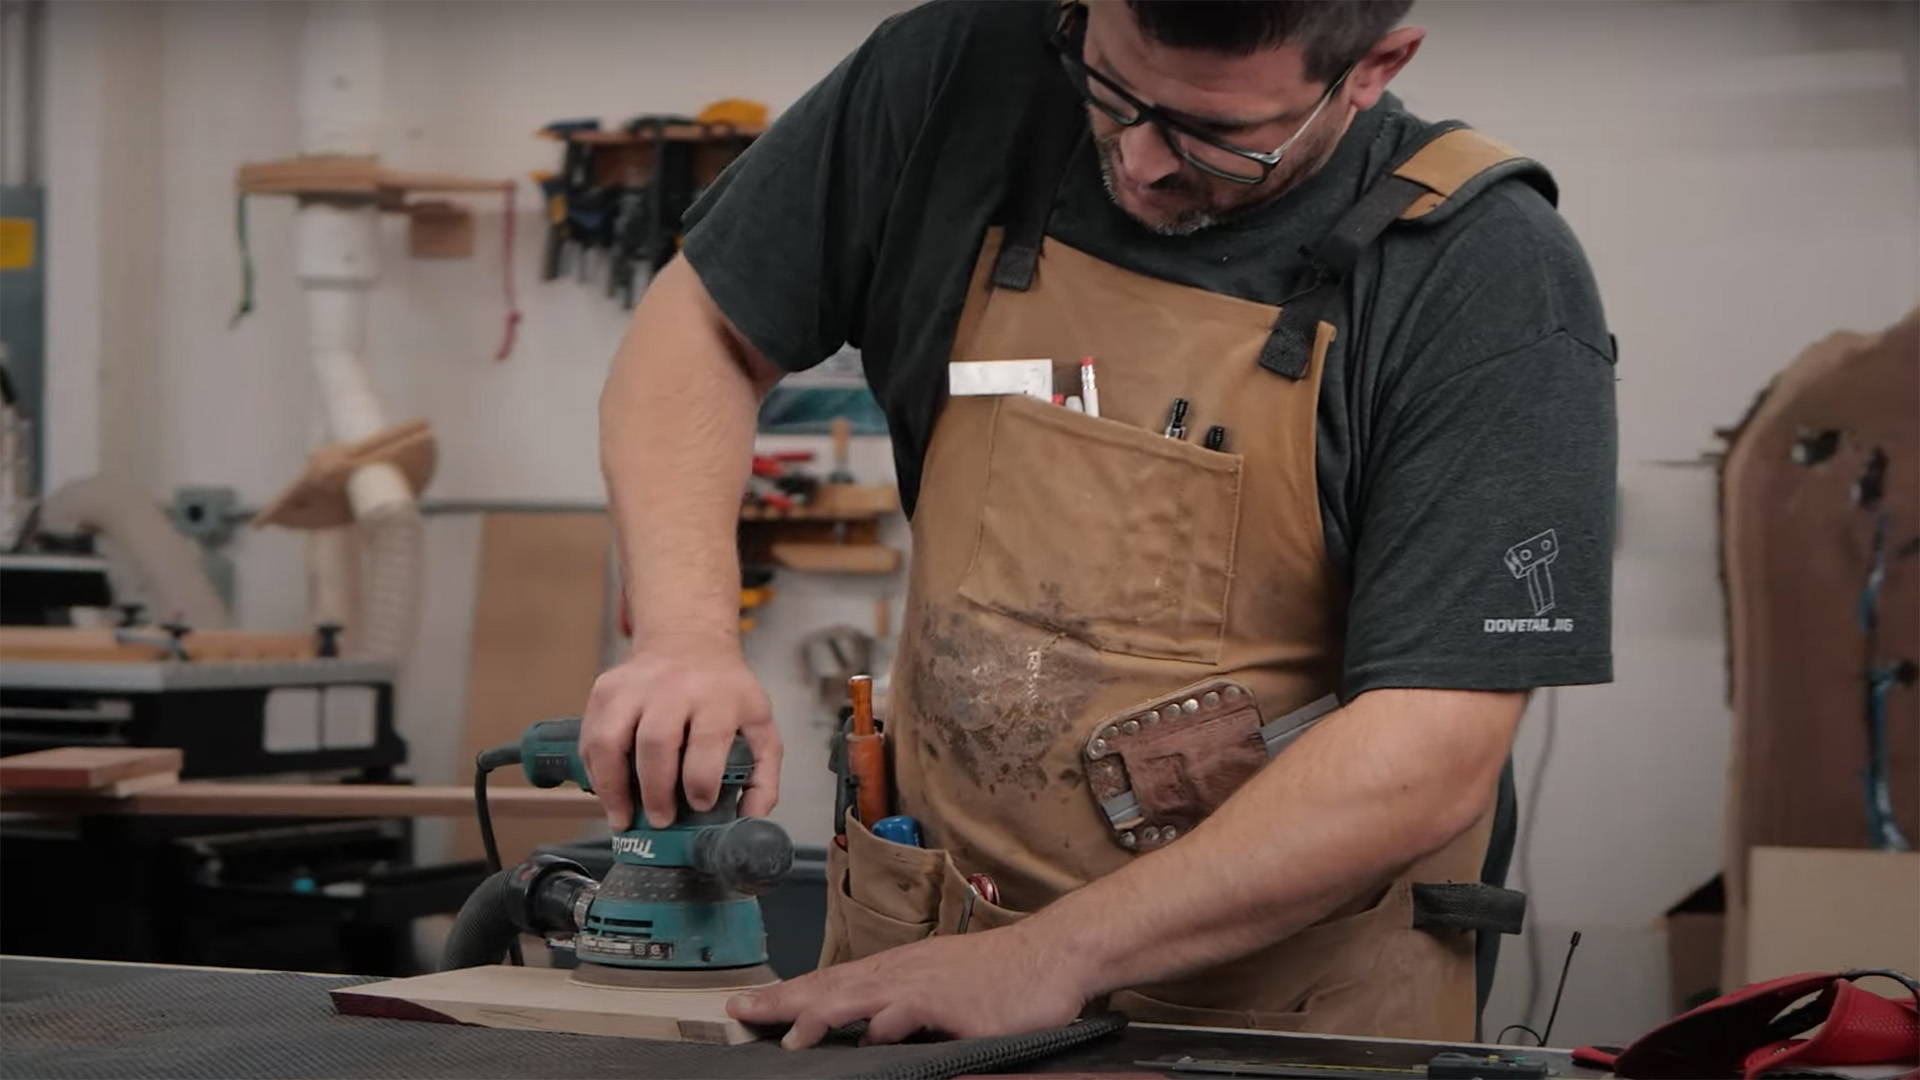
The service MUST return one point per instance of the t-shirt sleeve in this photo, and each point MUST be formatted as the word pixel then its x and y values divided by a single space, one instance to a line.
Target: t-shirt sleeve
pixel 1483 558
pixel 785 239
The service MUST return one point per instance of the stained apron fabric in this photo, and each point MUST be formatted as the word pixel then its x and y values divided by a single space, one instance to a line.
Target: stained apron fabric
pixel 1069 569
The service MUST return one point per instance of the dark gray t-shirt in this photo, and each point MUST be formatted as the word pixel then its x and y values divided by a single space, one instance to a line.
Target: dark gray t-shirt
pixel 1466 439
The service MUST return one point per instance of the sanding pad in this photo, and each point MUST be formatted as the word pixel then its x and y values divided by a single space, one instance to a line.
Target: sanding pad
pixel 638 978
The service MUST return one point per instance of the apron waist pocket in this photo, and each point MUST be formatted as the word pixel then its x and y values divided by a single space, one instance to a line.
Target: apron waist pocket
pixel 881 895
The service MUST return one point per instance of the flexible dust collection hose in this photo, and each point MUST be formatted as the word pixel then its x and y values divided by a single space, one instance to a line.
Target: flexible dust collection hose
pixel 547 894
pixel 394 541
pixel 484 930
pixel 167 563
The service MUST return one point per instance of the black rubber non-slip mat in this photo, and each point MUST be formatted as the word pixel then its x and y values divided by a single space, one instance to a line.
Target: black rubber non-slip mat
pixel 163 1024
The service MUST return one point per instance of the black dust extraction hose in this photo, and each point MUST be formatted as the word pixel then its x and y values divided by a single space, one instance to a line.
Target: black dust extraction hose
pixel 547 894
pixel 484 931
pixel 485 762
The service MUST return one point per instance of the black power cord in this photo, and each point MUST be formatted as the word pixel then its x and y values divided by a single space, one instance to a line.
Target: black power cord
pixel 485 762
pixel 1540 1037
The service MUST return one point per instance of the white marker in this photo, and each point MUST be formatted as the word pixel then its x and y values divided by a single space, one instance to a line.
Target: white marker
pixel 1089 389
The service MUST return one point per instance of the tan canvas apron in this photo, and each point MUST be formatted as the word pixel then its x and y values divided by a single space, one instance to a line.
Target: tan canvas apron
pixel 1072 574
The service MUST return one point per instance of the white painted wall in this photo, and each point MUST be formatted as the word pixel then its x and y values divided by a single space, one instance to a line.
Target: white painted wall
pixel 1744 176
pixel 101 138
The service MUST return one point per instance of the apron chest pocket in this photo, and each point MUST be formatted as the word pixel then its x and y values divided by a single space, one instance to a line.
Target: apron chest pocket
pixel 1107 533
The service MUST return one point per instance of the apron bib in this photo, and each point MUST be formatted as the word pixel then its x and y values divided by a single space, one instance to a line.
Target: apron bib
pixel 1109 630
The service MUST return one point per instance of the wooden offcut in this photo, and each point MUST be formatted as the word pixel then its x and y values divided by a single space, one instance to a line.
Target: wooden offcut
pixel 88 768
pixel 543 999
pixel 539 615
pixel 439 230
pixel 317 499
pixel 197 797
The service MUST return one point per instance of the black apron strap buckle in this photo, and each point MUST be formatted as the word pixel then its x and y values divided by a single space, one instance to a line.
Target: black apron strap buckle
pixel 1468 906
pixel 1014 267
pixel 1057 129
pixel 1289 348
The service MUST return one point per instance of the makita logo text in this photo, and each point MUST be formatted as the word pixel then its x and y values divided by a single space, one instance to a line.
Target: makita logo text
pixel 638 846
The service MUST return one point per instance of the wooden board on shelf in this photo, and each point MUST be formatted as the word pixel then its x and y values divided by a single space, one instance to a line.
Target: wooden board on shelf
pixel 834 502
pixel 545 999
pixel 826 557
pixel 192 798
pixel 75 644
pixel 349 174
pixel 538 619
pixel 631 164
pixel 89 768
pixel 673 132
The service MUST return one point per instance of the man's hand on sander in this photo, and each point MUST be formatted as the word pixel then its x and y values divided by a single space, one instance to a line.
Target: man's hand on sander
pixel 668 713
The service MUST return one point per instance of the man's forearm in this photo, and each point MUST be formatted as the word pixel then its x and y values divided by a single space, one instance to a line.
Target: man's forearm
pixel 1394 776
pixel 676 422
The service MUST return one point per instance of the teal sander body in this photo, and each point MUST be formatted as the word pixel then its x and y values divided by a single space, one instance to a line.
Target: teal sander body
pixel 678 908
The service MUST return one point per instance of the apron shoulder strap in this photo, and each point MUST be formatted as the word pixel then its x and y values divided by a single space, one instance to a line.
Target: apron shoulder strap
pixel 1444 168
pixel 1460 163
pixel 1054 131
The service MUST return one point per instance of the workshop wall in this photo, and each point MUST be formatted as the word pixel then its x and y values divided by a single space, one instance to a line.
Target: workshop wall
pixel 157 386
pixel 1745 178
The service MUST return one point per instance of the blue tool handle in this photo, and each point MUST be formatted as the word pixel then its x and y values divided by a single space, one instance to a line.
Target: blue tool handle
pixel 899 828
pixel 550 754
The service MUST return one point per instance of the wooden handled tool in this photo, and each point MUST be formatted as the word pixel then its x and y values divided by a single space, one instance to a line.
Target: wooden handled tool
pixel 866 754
pixel 842 432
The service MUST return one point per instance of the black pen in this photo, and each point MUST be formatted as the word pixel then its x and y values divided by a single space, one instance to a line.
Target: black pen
pixel 1216 438
pixel 1177 423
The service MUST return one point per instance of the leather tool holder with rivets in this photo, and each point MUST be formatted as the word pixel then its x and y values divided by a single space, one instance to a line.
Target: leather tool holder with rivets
pixel 1156 770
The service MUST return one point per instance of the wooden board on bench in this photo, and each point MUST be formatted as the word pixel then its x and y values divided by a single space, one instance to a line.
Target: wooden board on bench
pixel 544 999
pixel 100 770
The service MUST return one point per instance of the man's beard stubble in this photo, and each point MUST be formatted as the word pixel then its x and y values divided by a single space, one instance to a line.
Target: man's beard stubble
pixel 1200 190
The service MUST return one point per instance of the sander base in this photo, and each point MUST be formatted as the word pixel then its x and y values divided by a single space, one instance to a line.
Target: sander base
pixel 639 978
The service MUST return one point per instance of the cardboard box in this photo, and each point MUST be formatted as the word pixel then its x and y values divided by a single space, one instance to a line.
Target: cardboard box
pixel 1696 936
pixel 1830 909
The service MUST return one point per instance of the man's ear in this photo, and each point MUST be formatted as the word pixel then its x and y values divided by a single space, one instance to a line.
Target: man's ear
pixel 1382 62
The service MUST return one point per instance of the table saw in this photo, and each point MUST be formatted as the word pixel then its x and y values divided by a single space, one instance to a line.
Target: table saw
pixel 67 1018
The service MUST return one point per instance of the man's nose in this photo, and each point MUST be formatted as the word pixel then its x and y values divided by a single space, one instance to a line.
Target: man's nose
pixel 1145 156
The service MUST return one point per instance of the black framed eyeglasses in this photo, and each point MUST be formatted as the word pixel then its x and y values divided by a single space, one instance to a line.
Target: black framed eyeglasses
pixel 1203 151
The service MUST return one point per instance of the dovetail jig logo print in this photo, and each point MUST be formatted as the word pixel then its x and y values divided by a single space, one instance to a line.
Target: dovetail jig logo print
pixel 1531 560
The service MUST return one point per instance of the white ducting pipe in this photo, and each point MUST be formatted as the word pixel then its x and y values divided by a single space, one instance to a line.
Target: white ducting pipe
pixel 164 561
pixel 342 46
